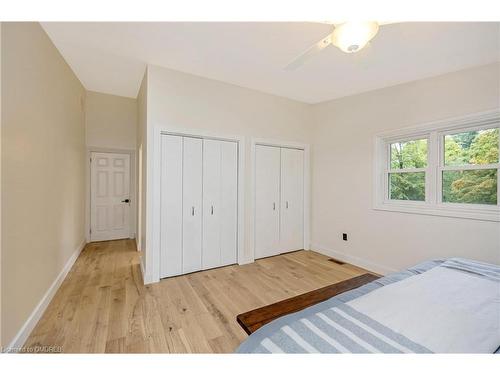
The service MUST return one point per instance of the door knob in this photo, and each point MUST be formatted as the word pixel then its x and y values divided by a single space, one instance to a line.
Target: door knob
pixel 126 201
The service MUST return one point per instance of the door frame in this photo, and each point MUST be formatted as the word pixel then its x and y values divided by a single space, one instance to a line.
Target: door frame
pixel 133 193
pixel 307 186
pixel 152 266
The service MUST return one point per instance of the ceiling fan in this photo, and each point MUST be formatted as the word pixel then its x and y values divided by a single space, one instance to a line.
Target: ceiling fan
pixel 349 37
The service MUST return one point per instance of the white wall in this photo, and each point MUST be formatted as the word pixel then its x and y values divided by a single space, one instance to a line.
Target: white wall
pixel 342 182
pixel 110 121
pixel 43 174
pixel 180 100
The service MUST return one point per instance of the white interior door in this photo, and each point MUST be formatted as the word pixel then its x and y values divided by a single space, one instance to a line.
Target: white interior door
pixel 267 201
pixel 171 206
pixel 192 204
pixel 109 196
pixel 228 210
pixel 211 203
pixel 220 203
pixel 292 200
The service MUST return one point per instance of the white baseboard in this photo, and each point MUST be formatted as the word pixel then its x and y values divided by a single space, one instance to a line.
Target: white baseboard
pixel 142 268
pixel 366 264
pixel 145 277
pixel 37 313
pixel 245 261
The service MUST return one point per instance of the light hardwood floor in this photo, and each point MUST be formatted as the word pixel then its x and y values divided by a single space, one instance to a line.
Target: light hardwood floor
pixel 103 306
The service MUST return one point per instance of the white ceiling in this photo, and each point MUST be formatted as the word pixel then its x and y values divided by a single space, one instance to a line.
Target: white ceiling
pixel 111 57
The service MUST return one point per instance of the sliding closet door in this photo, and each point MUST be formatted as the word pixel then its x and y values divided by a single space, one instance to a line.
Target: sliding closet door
pixel 171 206
pixel 220 196
pixel 292 200
pixel 229 203
pixel 267 201
pixel 211 203
pixel 192 204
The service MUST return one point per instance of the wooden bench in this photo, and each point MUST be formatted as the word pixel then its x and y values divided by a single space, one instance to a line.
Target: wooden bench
pixel 252 320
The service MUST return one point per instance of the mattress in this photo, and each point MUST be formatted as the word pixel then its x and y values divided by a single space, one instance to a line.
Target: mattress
pixel 322 327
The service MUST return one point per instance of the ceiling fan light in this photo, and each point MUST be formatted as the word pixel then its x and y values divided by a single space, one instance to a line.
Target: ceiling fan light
pixel 351 37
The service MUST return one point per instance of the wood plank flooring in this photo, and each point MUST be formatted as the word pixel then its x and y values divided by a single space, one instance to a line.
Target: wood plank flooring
pixel 103 306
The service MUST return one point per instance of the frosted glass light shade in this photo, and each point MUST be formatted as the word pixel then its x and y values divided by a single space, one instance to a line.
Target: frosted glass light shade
pixel 351 37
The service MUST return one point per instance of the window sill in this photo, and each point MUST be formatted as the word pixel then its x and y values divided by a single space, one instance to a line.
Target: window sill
pixel 447 210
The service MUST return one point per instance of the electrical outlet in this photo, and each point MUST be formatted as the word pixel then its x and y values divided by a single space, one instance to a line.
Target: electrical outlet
pixel 344 236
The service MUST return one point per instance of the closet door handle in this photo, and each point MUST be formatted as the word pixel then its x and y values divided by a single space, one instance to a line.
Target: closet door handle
pixel 287 205
pixel 192 211
pixel 212 211
pixel 274 206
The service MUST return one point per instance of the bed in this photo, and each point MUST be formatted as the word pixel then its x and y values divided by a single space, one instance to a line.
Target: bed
pixel 438 306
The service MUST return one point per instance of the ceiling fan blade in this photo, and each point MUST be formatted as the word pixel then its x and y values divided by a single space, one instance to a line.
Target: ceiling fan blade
pixel 317 47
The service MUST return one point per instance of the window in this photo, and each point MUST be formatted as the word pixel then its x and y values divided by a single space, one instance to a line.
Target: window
pixel 470 171
pixel 449 168
pixel 408 161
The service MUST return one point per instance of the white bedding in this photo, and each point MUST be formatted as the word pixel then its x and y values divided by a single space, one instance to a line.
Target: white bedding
pixel 445 310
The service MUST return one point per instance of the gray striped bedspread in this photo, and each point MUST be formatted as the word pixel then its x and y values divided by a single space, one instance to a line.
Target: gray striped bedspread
pixel 335 326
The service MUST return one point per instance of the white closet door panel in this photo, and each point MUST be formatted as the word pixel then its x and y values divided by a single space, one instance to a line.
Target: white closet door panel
pixel 192 204
pixel 228 203
pixel 171 206
pixel 292 200
pixel 267 201
pixel 211 255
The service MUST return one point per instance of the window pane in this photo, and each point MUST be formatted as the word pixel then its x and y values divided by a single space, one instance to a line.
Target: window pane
pixel 407 186
pixel 475 147
pixel 410 154
pixel 470 186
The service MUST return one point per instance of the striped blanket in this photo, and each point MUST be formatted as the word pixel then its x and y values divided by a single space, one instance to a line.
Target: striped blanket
pixel 436 306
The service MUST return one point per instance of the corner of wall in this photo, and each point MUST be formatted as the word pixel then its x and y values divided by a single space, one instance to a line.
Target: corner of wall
pixel 354 260
pixel 37 313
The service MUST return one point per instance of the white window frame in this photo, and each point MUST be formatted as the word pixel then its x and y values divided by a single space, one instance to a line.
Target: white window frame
pixel 433 204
